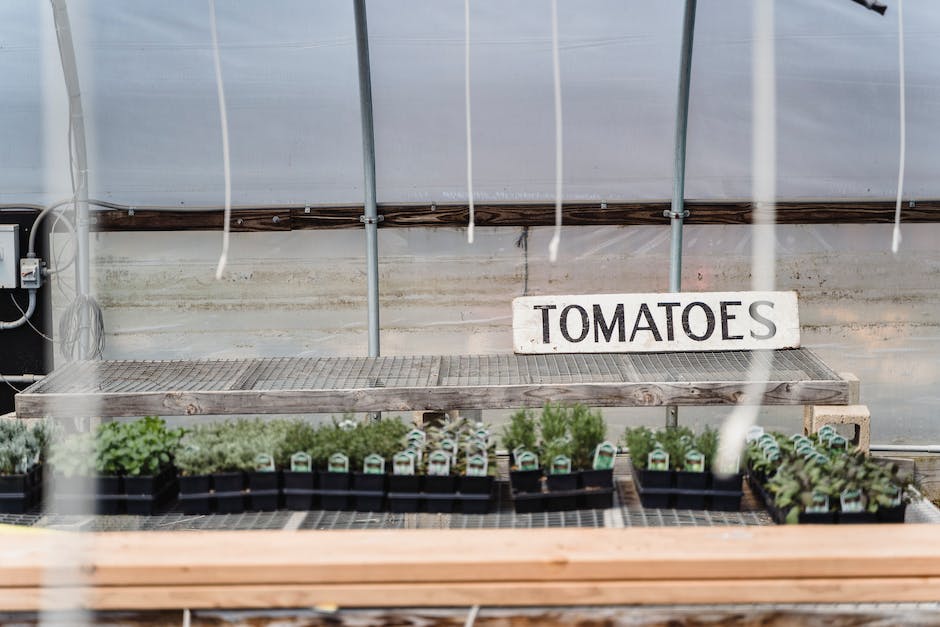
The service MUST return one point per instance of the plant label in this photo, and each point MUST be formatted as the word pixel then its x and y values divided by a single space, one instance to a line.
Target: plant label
pixel 561 465
pixel 825 432
pixel 373 464
pixel 694 462
pixel 753 433
pixel 850 501
pixel 657 460
pixel 417 438
pixel 301 462
pixel 818 504
pixel 483 435
pixel 449 445
pixel 604 456
pixel 403 463
pixel 837 442
pixel 765 440
pixel 477 466
pixel 264 462
pixel 418 452
pixel 729 468
pixel 527 460
pixel 338 462
pixel 516 452
pixel 439 463
pixel 636 323
pixel 805 447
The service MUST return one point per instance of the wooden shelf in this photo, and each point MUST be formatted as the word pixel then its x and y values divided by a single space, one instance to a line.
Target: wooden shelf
pixel 340 384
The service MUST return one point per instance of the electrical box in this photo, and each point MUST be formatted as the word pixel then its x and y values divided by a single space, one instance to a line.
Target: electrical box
pixel 9 256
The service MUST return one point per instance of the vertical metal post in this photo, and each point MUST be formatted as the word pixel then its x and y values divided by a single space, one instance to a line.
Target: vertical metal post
pixel 677 212
pixel 371 217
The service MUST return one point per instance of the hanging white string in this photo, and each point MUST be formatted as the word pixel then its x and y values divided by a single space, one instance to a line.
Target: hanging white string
pixel 763 271
pixel 226 168
pixel 466 89
pixel 556 71
pixel 896 235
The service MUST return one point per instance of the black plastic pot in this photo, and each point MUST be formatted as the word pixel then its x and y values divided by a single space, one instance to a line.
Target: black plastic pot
pixel 691 481
pixel 146 494
pixel 299 490
pixel 596 478
pixel 229 492
pixel 264 491
pixel 194 494
pixel 368 492
pixel 655 478
pixel 596 498
pixel 334 491
pixel 18 493
pixel 561 482
pixel 439 493
pixel 857 518
pixel 526 480
pixel 404 493
pixel 476 494
pixel 731 483
pixel 529 502
pixel 892 514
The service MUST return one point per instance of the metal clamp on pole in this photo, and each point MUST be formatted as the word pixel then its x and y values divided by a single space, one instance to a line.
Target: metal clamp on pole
pixel 675 215
pixel 371 220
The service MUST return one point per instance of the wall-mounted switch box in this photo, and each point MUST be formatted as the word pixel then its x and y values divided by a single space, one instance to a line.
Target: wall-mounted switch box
pixel 9 256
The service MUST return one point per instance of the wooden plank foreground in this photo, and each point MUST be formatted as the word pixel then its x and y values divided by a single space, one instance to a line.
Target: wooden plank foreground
pixel 421 568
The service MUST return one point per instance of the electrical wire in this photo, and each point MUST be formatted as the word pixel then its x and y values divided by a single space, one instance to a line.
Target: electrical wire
pixel 466 86
pixel 896 234
pixel 38 332
pixel 82 315
pixel 226 166
pixel 556 74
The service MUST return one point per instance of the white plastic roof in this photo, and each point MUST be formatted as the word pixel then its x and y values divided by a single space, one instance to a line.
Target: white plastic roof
pixel 290 79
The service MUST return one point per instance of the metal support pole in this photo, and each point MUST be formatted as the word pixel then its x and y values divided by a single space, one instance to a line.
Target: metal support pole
pixel 677 212
pixel 77 137
pixel 371 217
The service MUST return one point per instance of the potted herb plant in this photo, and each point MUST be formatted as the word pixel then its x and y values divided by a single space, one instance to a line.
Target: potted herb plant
pixel 520 435
pixel 22 450
pixel 142 451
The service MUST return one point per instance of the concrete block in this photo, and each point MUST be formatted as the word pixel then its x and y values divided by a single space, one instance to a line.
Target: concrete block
pixel 815 416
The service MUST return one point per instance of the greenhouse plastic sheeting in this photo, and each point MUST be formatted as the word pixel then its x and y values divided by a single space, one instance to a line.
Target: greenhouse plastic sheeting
pixel 289 67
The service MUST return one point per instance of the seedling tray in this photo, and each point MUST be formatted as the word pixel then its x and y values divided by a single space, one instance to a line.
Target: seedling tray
pixel 677 490
pixel 779 516
pixel 562 500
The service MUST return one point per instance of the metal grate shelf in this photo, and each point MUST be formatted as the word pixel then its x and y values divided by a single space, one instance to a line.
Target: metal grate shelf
pixel 339 384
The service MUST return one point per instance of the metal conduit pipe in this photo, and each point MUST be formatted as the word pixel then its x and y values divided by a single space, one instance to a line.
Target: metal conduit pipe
pixel 26 314
pixel 22 378
pixel 371 217
pixel 677 212
pixel 77 128
pixel 904 448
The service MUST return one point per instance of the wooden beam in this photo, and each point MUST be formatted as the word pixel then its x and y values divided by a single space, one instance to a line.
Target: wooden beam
pixel 411 568
pixel 506 594
pixel 118 218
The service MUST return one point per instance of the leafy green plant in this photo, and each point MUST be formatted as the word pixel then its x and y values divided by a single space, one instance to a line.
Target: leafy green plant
pixel 520 431
pixel 139 447
pixel 74 455
pixel 554 448
pixel 707 444
pixel 640 442
pixel 553 422
pixel 588 429
pixel 22 446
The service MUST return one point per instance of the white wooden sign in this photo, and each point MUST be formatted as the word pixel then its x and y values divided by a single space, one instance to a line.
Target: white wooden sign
pixel 635 323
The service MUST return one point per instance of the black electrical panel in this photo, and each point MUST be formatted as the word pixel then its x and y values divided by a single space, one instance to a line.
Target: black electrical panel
pixel 23 350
